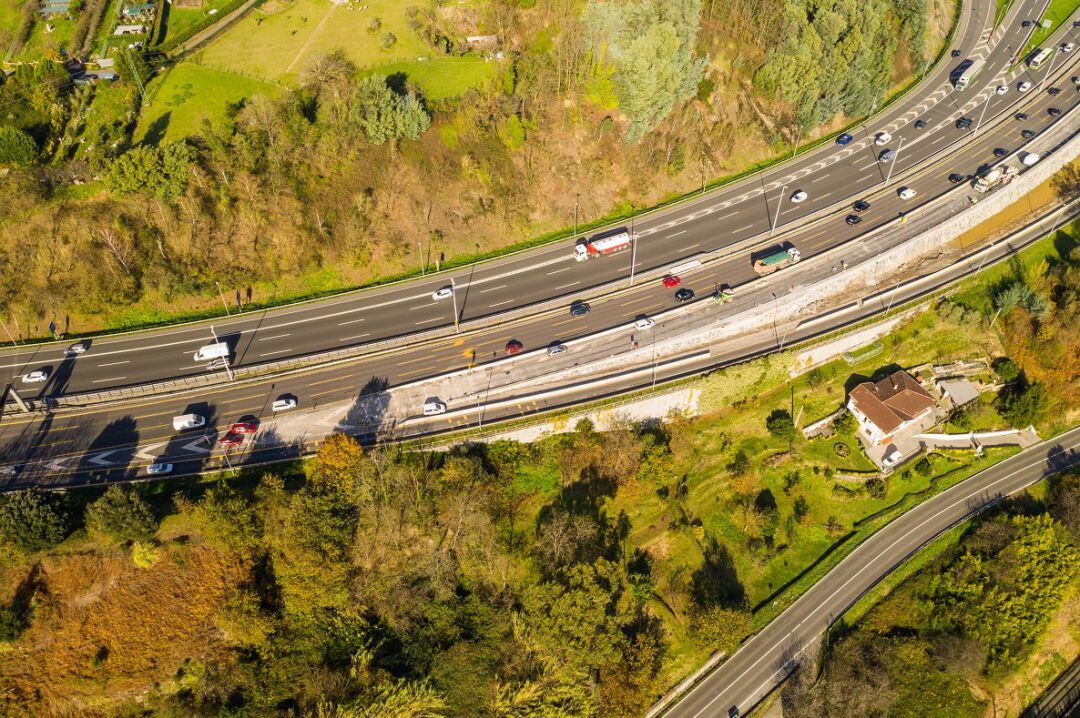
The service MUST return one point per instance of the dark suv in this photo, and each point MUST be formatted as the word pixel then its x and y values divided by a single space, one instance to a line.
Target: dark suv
pixel 963 123
pixel 579 309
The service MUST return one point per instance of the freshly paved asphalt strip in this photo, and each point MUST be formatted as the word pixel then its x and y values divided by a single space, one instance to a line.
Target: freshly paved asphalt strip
pixel 766 659
pixel 710 222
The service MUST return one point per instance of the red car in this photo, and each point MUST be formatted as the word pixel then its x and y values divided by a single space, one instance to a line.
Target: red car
pixel 244 427
pixel 231 439
pixel 672 281
pixel 514 346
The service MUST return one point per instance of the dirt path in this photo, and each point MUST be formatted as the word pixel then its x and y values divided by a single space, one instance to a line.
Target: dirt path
pixel 311 38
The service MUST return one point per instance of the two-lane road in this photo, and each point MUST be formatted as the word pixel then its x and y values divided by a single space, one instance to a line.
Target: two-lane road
pixel 763 662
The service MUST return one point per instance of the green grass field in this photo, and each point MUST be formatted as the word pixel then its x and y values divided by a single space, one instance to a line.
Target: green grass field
pixel 182 22
pixel 279 40
pixel 1056 13
pixel 187 94
pixel 443 76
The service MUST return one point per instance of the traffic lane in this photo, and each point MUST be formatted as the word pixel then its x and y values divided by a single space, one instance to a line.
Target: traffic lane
pixel 752 672
pixel 438 364
pixel 197 334
pixel 267 354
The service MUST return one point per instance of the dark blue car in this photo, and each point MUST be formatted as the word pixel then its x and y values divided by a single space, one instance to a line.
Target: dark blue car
pixel 843 139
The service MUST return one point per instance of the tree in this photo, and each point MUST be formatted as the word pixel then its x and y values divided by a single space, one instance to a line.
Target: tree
pixel 243 622
pixel 923 467
pixel 650 45
pixel 121 515
pixel 384 115
pixel 33 519
pixel 780 425
pixel 1066 183
pixel 1022 403
pixel 1006 369
pixel 716 581
pixel 159 171
pixel 801 508
pixel 390 699
pixel 226 517
pixel 17 149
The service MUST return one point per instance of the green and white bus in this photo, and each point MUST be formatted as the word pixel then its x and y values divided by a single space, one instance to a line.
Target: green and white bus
pixel 970 74
pixel 1040 57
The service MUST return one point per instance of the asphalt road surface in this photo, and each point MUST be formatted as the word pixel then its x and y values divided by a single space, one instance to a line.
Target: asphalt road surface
pixel 828 175
pixel 766 659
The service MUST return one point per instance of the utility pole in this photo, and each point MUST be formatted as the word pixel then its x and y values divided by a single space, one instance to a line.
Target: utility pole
pixel 228 369
pixel 982 114
pixel 1049 70
pixel 653 330
pixel 223 302
pixel 135 74
pixel 779 204
pixel 8 331
pixel 577 202
pixel 420 249
pixel 798 138
pixel 892 165
pixel 453 295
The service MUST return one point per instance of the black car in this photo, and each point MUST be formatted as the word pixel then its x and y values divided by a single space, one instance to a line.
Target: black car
pixel 1000 152
pixel 861 206
pixel 853 219
pixel 1054 112
pixel 956 178
pixel 1027 134
pixel 579 309
pixel 963 123
pixel 1026 23
pixel 919 124
pixel 1054 91
pixel 956 53
pixel 684 295
pixel 1021 116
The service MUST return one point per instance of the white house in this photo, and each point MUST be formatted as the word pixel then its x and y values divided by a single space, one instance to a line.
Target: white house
pixel 886 407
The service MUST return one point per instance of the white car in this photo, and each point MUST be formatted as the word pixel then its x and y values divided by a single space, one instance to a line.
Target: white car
pixel 882 138
pixel 1023 86
pixel 434 407
pixel 1067 47
pixel 644 322
pixel 555 348
pixel 797 197
pixel 440 294
pixel 1029 159
pixel 158 469
pixel 906 193
pixel 75 349
pixel 1002 89
pixel 283 404
pixel 35 376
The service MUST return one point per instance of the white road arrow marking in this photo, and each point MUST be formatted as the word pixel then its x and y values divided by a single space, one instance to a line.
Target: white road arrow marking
pixel 194 446
pixel 57 465
pixel 145 453
pixel 99 459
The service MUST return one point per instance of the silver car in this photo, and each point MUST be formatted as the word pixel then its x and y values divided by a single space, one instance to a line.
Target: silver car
pixel 159 469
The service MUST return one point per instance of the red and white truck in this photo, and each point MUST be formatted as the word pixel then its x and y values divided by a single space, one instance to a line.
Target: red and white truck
pixel 601 244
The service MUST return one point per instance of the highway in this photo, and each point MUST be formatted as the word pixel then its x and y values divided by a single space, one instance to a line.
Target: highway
pixel 69 435
pixel 746 209
pixel 762 663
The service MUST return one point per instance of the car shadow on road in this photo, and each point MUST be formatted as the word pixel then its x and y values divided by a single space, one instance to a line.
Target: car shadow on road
pixel 367 418
pixel 109 455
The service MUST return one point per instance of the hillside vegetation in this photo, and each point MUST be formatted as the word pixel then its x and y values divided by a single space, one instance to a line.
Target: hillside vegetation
pixel 581 575
pixel 299 176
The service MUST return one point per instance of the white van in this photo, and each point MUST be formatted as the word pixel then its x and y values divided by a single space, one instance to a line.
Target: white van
pixel 188 421
pixel 220 350
pixel 433 407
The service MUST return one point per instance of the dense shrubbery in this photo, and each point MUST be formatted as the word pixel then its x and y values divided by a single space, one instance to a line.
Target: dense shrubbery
pixel 977 611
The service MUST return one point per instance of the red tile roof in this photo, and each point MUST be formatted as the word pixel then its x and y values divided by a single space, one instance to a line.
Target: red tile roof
pixel 892 401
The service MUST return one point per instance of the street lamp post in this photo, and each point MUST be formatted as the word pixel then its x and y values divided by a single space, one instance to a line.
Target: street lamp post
pixel 633 252
pixel 982 114
pixel 228 369
pixel 577 200
pixel 222 295
pixel 8 332
pixel 1049 70
pixel 779 204
pixel 453 296
pixel 892 165
pixel 798 138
